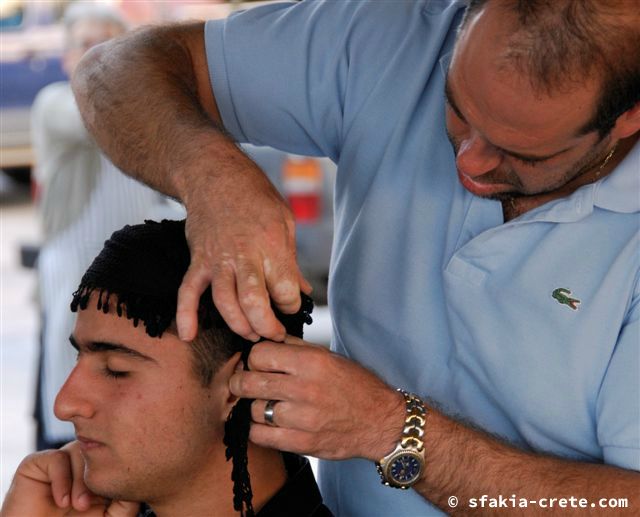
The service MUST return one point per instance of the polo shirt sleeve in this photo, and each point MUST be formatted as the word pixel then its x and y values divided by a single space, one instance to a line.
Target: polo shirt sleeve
pixel 618 407
pixel 283 74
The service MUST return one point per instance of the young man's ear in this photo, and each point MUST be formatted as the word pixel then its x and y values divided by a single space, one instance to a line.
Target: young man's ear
pixel 628 123
pixel 223 375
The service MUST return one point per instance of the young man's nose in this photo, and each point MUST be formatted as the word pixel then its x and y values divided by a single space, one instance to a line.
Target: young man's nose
pixel 73 398
pixel 476 156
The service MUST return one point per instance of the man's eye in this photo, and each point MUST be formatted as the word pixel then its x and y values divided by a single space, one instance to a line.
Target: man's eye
pixel 115 374
pixel 527 161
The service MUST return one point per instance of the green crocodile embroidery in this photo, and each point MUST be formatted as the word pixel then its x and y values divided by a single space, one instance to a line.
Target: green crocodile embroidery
pixel 561 294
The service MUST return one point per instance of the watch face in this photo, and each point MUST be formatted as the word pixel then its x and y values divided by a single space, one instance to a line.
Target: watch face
pixel 405 468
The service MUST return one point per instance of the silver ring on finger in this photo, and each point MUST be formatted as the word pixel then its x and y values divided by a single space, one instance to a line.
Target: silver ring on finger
pixel 268 412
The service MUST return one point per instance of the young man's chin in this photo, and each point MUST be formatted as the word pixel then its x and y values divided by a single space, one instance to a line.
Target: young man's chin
pixel 110 486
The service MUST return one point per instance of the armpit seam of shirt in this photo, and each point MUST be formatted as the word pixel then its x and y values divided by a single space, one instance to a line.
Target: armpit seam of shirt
pixel 218 62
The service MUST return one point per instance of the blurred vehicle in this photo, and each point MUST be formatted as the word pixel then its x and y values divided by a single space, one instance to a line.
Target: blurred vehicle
pixel 31 43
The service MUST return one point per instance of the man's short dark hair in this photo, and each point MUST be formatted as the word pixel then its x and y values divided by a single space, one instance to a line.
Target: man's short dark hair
pixel 561 43
pixel 140 270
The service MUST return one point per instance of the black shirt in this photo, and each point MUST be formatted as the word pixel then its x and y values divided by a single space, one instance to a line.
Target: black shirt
pixel 299 497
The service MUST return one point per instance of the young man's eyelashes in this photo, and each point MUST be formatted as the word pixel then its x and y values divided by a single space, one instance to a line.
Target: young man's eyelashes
pixel 114 374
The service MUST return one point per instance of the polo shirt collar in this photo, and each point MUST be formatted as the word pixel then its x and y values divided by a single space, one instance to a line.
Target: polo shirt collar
pixel 617 192
pixel 620 190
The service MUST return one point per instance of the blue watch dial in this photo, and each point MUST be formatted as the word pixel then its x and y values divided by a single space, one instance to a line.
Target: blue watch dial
pixel 405 468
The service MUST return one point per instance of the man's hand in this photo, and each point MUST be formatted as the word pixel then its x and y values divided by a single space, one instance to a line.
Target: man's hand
pixel 50 484
pixel 146 99
pixel 242 239
pixel 329 406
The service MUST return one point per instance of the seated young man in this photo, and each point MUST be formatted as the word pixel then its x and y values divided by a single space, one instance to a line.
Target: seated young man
pixel 151 411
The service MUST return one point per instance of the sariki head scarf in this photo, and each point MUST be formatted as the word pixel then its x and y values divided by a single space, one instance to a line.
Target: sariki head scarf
pixel 140 270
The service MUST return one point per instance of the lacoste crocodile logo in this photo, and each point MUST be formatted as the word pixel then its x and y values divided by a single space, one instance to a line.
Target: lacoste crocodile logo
pixel 562 295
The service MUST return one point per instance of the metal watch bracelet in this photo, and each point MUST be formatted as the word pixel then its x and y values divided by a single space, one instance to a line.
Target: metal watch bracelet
pixel 411 444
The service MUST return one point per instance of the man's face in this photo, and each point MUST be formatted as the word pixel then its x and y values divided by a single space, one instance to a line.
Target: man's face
pixel 508 139
pixel 146 425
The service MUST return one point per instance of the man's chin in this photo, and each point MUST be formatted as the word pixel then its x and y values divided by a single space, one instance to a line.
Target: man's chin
pixel 108 486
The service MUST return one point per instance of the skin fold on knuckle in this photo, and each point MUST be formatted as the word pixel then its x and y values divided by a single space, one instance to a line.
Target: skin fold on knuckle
pixel 286 293
pixel 264 356
pixel 251 289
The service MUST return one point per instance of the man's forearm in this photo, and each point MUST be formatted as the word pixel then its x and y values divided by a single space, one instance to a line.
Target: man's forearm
pixel 466 464
pixel 146 99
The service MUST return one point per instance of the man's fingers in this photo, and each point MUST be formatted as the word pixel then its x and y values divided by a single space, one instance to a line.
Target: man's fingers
pixel 254 298
pixel 80 494
pixel 122 509
pixel 195 281
pixel 290 440
pixel 282 281
pixel 293 340
pixel 225 298
pixel 57 466
pixel 265 386
pixel 288 415
pixel 291 358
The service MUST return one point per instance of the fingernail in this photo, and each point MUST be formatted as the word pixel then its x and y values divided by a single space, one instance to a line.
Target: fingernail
pixel 183 332
pixel 84 500
pixel 65 500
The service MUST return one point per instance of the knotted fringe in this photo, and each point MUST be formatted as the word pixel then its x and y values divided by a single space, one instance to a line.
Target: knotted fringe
pixel 238 425
pixel 152 311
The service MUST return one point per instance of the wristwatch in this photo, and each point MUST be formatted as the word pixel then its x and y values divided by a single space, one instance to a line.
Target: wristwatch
pixel 403 466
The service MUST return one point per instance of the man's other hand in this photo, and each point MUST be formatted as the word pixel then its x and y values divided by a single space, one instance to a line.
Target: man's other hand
pixel 328 406
pixel 50 484
pixel 241 234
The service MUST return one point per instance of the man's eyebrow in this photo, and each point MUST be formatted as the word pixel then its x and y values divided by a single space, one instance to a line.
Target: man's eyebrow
pixel 531 158
pixel 450 101
pixel 520 156
pixel 103 346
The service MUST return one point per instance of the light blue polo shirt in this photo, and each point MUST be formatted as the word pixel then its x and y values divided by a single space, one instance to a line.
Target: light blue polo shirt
pixel 428 287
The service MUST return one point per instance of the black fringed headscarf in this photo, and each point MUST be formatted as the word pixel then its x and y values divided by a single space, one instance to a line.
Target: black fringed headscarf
pixel 140 269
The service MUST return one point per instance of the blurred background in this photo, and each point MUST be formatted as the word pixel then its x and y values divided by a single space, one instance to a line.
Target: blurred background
pixel 33 42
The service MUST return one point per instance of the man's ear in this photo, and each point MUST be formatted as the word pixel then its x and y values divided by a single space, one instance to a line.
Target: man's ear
pixel 223 375
pixel 628 123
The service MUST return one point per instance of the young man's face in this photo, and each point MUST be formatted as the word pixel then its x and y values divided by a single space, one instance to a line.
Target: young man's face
pixel 147 426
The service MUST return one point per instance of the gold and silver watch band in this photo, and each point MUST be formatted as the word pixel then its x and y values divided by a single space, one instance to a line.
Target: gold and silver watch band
pixel 415 418
pixel 403 466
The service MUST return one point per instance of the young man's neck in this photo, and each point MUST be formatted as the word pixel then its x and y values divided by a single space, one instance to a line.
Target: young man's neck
pixel 211 493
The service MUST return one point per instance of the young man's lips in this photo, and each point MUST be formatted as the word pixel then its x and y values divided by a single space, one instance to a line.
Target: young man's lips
pixel 88 443
pixel 481 189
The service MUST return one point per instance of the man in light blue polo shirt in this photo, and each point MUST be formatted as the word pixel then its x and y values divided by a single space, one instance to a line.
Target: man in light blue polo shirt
pixel 499 283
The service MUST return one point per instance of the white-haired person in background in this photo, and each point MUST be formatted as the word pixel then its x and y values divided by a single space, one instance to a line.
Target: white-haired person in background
pixel 83 198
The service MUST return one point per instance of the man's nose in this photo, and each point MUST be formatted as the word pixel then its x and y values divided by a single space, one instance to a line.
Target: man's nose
pixel 73 398
pixel 476 156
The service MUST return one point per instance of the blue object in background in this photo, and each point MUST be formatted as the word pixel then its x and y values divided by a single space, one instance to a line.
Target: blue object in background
pixel 20 81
